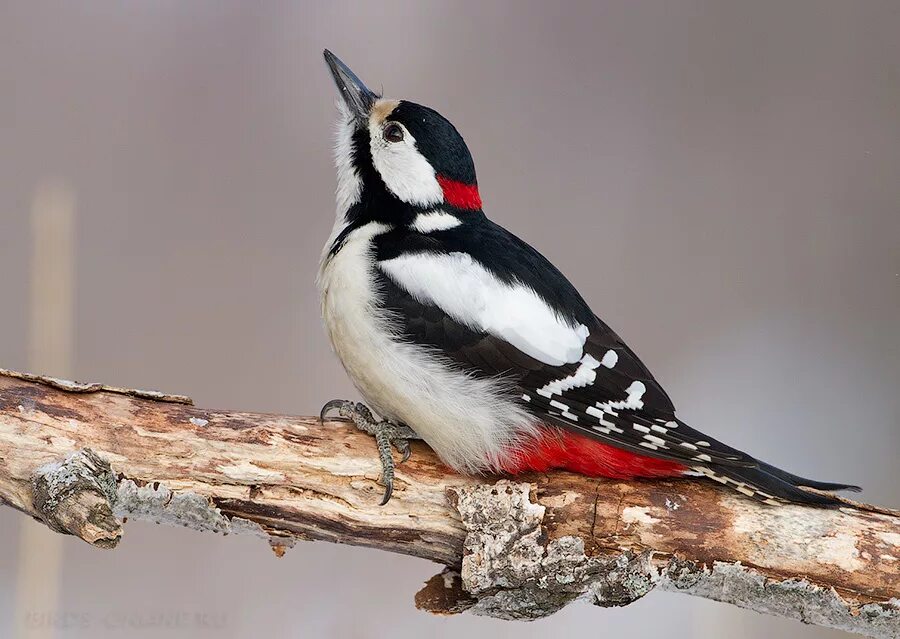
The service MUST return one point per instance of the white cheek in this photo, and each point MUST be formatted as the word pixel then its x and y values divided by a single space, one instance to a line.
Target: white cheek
pixel 405 171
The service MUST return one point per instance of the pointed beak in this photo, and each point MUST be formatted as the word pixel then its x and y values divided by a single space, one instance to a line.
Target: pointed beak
pixel 355 94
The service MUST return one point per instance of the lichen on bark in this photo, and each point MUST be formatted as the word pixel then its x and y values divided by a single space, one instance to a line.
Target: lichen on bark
pixel 76 496
pixel 511 570
pixel 515 572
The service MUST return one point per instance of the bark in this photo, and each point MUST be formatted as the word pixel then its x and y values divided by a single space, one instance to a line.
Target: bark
pixel 84 458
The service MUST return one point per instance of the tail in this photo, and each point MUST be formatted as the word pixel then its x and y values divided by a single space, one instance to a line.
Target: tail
pixel 773 485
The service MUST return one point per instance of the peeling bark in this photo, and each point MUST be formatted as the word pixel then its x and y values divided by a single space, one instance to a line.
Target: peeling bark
pixel 84 457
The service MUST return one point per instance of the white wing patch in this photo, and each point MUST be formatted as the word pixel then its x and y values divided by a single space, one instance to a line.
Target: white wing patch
pixel 472 296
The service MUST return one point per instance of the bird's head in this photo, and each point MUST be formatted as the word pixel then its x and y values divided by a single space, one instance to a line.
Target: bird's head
pixel 396 158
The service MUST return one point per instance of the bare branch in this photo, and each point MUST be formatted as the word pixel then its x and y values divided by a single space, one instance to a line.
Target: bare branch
pixel 84 457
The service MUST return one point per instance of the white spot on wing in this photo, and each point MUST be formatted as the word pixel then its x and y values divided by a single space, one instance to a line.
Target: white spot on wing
pixel 635 393
pixel 600 415
pixel 583 376
pixel 631 402
pixel 610 358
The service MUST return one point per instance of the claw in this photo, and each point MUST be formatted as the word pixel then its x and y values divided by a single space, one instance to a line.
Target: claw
pixel 388 491
pixel 334 404
pixel 386 435
pixel 402 446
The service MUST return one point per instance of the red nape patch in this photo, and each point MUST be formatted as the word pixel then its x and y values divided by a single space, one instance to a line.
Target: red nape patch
pixel 459 194
pixel 581 454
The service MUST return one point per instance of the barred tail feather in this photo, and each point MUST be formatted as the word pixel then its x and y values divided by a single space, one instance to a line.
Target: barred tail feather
pixel 807 483
pixel 773 485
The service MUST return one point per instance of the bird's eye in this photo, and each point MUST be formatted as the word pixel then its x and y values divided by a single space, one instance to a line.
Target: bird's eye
pixel 393 133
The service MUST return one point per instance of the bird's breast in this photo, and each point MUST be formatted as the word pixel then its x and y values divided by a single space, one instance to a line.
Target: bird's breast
pixel 471 423
pixel 350 312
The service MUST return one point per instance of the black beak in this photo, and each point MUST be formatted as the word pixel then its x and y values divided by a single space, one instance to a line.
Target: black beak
pixel 357 97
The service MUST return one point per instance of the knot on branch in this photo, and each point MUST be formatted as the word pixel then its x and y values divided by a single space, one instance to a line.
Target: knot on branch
pixel 511 570
pixel 76 496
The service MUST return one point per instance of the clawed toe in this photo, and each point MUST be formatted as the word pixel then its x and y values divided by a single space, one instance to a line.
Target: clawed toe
pixel 386 433
pixel 402 446
pixel 339 405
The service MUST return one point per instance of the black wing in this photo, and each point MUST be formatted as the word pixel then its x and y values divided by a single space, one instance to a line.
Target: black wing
pixel 651 429
pixel 599 409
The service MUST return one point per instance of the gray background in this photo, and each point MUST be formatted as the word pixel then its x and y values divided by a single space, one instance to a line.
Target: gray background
pixel 720 179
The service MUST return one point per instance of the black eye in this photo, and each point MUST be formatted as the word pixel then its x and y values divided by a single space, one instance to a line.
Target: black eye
pixel 393 133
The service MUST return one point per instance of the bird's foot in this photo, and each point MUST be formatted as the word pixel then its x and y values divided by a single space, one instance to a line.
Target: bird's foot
pixel 386 434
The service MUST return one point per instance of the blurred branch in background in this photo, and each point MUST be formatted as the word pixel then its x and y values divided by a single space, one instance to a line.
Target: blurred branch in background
pixel 49 349
pixel 83 458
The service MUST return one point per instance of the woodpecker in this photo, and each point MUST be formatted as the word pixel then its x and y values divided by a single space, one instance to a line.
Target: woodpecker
pixel 457 332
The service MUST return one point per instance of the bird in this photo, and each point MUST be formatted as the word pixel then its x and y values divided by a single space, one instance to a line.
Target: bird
pixel 457 332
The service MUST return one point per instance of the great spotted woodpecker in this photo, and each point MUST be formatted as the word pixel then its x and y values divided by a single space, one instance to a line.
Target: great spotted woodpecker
pixel 456 331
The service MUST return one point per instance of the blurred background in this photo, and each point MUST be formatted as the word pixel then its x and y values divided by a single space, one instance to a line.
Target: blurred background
pixel 720 179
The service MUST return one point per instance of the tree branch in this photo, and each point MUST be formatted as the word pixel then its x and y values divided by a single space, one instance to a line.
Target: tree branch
pixel 83 458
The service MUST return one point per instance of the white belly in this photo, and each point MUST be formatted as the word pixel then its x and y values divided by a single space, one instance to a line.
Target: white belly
pixel 468 424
